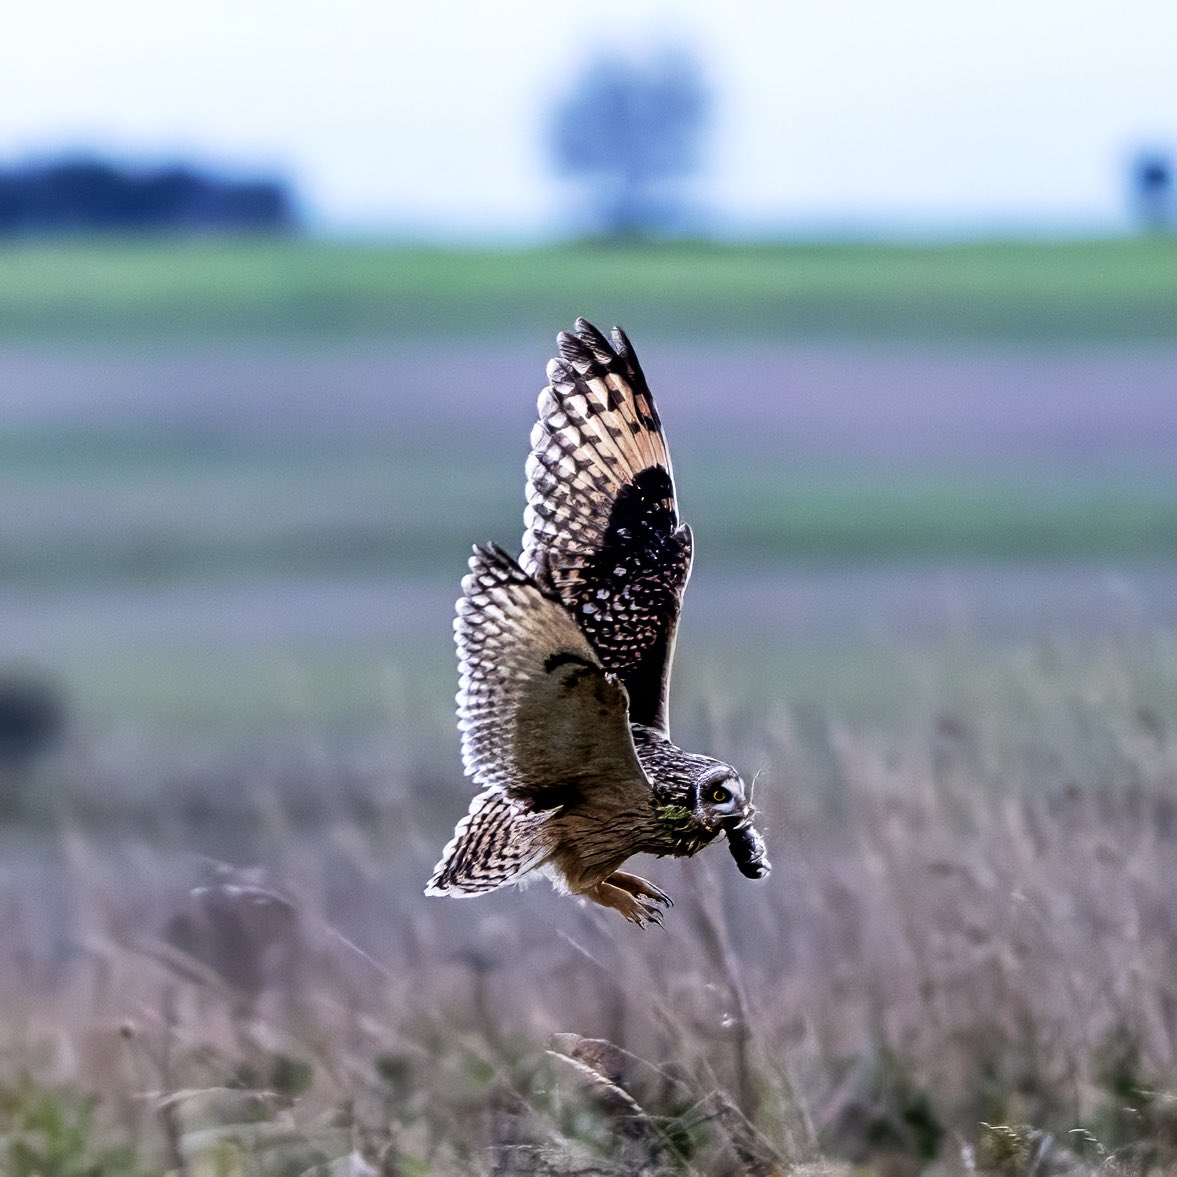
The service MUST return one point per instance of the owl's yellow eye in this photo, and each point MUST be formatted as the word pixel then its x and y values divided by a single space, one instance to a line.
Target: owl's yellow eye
pixel 720 795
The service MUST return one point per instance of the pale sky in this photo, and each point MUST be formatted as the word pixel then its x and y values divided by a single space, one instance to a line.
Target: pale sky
pixel 1001 114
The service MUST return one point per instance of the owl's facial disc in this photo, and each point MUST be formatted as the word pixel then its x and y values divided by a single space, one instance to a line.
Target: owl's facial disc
pixel 719 796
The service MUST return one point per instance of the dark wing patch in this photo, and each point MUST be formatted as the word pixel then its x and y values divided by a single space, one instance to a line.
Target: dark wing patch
pixel 602 519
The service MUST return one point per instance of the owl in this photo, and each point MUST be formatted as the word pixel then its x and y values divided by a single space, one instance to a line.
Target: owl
pixel 564 660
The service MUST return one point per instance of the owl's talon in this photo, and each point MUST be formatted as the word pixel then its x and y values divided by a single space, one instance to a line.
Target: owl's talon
pixel 648 916
pixel 641 889
pixel 634 904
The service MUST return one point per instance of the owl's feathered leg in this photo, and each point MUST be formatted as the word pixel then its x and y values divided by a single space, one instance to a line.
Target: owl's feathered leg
pixel 634 898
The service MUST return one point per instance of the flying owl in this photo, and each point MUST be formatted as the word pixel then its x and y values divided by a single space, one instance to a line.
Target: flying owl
pixel 564 658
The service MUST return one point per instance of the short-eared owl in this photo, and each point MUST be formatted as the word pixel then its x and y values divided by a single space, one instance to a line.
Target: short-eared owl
pixel 564 657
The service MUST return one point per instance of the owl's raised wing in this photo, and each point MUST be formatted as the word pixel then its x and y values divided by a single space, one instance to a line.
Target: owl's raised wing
pixel 602 527
pixel 540 718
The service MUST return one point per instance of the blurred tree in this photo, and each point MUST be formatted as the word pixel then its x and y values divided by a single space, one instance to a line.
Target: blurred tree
pixel 631 133
pixel 1152 187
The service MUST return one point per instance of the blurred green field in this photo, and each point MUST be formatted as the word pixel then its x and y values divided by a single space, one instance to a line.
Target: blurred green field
pixel 111 291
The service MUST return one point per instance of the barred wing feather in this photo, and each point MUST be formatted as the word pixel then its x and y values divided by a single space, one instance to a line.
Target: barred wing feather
pixel 602 527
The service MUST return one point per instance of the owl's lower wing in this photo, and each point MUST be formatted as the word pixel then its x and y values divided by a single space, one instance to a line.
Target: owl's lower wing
pixel 602 527
pixel 541 720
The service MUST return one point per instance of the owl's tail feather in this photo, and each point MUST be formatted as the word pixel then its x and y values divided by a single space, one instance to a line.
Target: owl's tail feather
pixel 492 846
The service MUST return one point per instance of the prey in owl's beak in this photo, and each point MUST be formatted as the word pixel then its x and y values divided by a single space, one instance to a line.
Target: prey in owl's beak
pixel 747 846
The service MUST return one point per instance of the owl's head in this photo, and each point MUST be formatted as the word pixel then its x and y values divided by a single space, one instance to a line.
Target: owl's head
pixel 719 796
pixel 721 803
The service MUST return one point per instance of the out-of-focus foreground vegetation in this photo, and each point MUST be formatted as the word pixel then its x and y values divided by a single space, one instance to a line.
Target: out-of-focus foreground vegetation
pixel 962 963
pixel 933 614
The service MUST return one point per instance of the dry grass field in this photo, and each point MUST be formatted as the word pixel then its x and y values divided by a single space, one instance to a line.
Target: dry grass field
pixel 965 955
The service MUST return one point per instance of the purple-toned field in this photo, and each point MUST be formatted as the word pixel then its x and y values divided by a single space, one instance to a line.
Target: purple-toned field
pixel 898 401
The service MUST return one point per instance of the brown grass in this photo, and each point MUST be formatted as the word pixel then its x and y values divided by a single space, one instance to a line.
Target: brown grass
pixel 966 953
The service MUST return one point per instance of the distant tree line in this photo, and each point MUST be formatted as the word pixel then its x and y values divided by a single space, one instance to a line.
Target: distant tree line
pixel 80 194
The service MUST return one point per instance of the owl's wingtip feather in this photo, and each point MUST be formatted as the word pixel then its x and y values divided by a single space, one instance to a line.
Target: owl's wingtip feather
pixel 586 347
pixel 623 347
